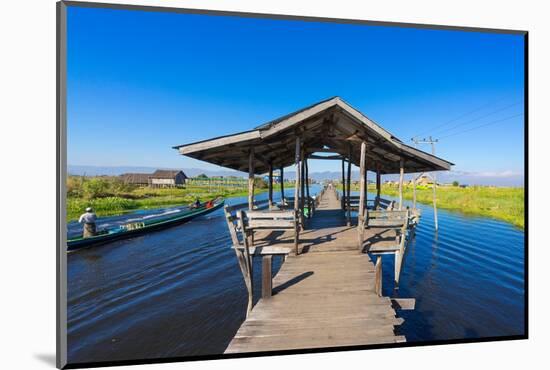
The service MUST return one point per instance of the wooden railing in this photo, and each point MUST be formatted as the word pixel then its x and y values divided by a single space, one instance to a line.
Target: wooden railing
pixel 241 225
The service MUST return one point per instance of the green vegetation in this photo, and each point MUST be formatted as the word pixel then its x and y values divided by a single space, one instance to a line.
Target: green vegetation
pixel 111 196
pixel 501 203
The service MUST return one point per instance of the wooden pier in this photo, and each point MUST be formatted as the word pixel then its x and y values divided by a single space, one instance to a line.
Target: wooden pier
pixel 328 292
pixel 325 296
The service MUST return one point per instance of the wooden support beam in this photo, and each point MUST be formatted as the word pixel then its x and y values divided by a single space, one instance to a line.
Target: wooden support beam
pixel 366 177
pixel 343 182
pixel 251 179
pixel 329 157
pixel 282 179
pixel 414 192
pixel 297 182
pixel 397 265
pixel 362 193
pixel 401 174
pixel 267 281
pixel 270 187
pixel 378 276
pixel 302 189
pixel 348 188
pixel 378 187
pixel 435 203
pixel 307 189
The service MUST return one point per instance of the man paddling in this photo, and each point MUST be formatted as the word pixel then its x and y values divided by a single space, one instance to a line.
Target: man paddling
pixel 88 219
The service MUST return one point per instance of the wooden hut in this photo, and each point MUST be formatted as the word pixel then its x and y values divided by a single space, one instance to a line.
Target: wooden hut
pixel 167 178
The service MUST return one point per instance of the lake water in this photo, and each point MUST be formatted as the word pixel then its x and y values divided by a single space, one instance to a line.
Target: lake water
pixel 179 292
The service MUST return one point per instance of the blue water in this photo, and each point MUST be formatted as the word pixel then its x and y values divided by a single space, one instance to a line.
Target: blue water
pixel 179 292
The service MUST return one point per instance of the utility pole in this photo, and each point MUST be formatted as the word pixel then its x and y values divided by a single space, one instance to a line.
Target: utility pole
pixel 432 142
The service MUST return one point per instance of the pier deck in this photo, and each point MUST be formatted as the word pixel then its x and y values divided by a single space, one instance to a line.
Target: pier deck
pixel 324 297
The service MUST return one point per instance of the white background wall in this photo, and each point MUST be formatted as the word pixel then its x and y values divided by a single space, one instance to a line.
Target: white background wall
pixel 27 132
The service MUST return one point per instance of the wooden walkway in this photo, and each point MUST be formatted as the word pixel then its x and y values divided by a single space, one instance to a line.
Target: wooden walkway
pixel 325 296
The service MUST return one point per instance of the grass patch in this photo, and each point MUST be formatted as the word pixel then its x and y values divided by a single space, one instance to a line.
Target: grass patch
pixel 500 203
pixel 108 196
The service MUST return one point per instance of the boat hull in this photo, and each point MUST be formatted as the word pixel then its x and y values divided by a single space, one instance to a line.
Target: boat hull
pixel 80 243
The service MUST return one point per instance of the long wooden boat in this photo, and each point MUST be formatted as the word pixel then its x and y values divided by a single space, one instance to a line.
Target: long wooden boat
pixel 138 228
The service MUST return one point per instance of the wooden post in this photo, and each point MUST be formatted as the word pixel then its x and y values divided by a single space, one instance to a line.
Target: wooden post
pixel 302 188
pixel 270 186
pixel 343 183
pixel 401 174
pixel 251 179
pixel 435 203
pixel 378 187
pixel 362 186
pixel 366 182
pixel 378 276
pixel 282 179
pixel 414 191
pixel 297 184
pixel 245 261
pixel 348 188
pixel 267 282
pixel 307 189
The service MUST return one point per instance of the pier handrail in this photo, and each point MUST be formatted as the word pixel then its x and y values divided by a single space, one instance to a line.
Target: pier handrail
pixel 400 221
pixel 354 202
pixel 258 204
pixel 244 251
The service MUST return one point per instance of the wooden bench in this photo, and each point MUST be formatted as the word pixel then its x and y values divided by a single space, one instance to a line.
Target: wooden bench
pixel 354 203
pixel 274 221
pixel 245 253
pixel 387 220
pixel 264 219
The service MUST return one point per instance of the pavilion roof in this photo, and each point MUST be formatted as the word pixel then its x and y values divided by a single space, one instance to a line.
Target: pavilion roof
pixel 331 125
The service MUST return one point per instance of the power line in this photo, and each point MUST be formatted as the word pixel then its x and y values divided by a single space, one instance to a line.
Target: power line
pixel 480 117
pixel 460 117
pixel 480 126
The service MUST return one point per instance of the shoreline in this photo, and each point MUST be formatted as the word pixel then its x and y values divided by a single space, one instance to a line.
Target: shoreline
pixel 149 199
pixel 498 203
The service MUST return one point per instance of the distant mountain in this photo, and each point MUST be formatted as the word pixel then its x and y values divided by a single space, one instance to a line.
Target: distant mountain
pixel 504 178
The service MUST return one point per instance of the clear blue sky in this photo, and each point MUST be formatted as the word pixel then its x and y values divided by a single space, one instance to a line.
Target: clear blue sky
pixel 140 82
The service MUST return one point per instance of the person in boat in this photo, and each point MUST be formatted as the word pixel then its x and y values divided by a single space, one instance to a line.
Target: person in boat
pixel 197 204
pixel 88 219
pixel 209 204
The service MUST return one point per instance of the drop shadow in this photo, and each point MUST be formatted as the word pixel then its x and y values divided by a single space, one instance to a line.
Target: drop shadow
pixel 46 358
pixel 291 282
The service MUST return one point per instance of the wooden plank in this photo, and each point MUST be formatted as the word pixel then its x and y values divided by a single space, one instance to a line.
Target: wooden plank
pixel 252 224
pixel 267 263
pixel 378 278
pixel 280 214
pixel 389 223
pixel 404 303
pixel 218 142
pixel 388 214
pixel 260 251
